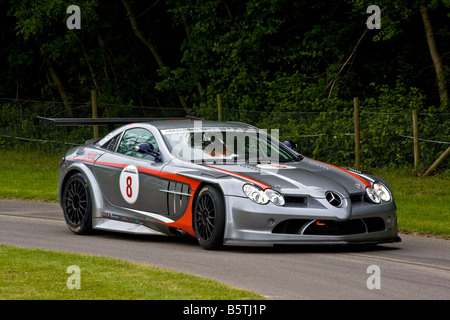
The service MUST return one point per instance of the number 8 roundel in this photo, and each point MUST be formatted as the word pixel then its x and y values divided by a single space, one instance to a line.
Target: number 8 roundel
pixel 129 184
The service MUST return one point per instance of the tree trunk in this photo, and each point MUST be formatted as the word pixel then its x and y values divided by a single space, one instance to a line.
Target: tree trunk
pixel 437 59
pixel 152 49
pixel 61 90
pixel 83 50
pixel 199 84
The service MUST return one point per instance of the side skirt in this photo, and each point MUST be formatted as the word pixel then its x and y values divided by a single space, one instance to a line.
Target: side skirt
pixel 125 227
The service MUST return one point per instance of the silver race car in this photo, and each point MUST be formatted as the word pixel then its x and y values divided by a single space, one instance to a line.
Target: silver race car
pixel 221 182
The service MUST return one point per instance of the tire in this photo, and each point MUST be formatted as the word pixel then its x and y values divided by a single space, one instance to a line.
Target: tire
pixel 77 204
pixel 208 218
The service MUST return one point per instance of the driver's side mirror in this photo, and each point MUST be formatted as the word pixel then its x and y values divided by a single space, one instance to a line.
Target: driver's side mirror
pixel 290 144
pixel 147 148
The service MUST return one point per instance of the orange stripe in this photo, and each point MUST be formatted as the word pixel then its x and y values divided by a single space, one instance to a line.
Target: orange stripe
pixel 111 164
pixel 166 175
pixel 80 159
pixel 260 184
pixel 185 222
pixel 350 173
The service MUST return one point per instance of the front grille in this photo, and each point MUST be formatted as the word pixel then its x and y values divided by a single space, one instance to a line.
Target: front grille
pixel 335 228
pixel 330 227
pixel 291 226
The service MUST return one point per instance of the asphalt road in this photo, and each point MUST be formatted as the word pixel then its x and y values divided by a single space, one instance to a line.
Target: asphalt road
pixel 416 268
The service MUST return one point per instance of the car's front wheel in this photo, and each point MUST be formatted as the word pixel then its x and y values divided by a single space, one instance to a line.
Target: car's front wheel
pixel 209 218
pixel 77 204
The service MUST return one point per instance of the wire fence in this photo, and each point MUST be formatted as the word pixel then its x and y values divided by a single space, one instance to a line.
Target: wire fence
pixel 386 138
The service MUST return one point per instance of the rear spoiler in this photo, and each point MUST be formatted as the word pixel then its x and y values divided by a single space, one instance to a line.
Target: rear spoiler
pixel 51 123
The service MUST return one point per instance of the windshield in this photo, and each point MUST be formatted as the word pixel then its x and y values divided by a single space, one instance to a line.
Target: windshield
pixel 226 145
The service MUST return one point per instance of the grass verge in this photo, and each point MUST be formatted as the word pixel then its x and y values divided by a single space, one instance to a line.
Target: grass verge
pixel 422 202
pixel 29 274
pixel 29 175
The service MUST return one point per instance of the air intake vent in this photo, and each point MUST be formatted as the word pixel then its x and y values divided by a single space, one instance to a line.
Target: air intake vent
pixel 336 228
pixel 330 227
pixel 295 201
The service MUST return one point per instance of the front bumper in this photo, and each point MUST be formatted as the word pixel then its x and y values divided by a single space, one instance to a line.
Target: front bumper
pixel 316 222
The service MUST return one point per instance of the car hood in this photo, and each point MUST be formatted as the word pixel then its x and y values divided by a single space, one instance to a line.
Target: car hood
pixel 308 177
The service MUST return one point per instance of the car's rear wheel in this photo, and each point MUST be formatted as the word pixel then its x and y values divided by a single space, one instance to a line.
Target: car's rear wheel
pixel 77 204
pixel 209 218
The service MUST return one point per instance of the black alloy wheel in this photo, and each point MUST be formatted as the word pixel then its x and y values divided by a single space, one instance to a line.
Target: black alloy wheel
pixel 77 206
pixel 209 218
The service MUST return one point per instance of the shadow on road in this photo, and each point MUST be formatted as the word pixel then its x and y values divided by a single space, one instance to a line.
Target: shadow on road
pixel 190 242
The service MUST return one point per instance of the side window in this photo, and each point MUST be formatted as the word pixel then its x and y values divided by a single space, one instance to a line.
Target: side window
pixel 134 137
pixel 112 143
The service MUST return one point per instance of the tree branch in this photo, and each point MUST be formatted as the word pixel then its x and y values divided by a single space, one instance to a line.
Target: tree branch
pixel 152 49
pixel 333 82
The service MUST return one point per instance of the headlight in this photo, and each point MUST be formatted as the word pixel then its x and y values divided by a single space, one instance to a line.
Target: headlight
pixel 382 191
pixel 275 197
pixel 263 197
pixel 255 194
pixel 372 195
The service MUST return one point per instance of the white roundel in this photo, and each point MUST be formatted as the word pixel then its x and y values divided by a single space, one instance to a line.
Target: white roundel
pixel 129 184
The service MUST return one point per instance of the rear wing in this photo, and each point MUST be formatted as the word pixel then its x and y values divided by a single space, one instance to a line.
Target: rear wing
pixel 51 123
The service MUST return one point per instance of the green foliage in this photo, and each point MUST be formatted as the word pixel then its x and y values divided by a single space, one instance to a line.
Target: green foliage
pixel 259 55
pixel 396 99
pixel 293 57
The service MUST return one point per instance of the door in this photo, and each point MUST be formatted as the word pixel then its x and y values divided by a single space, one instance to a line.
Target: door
pixel 129 179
